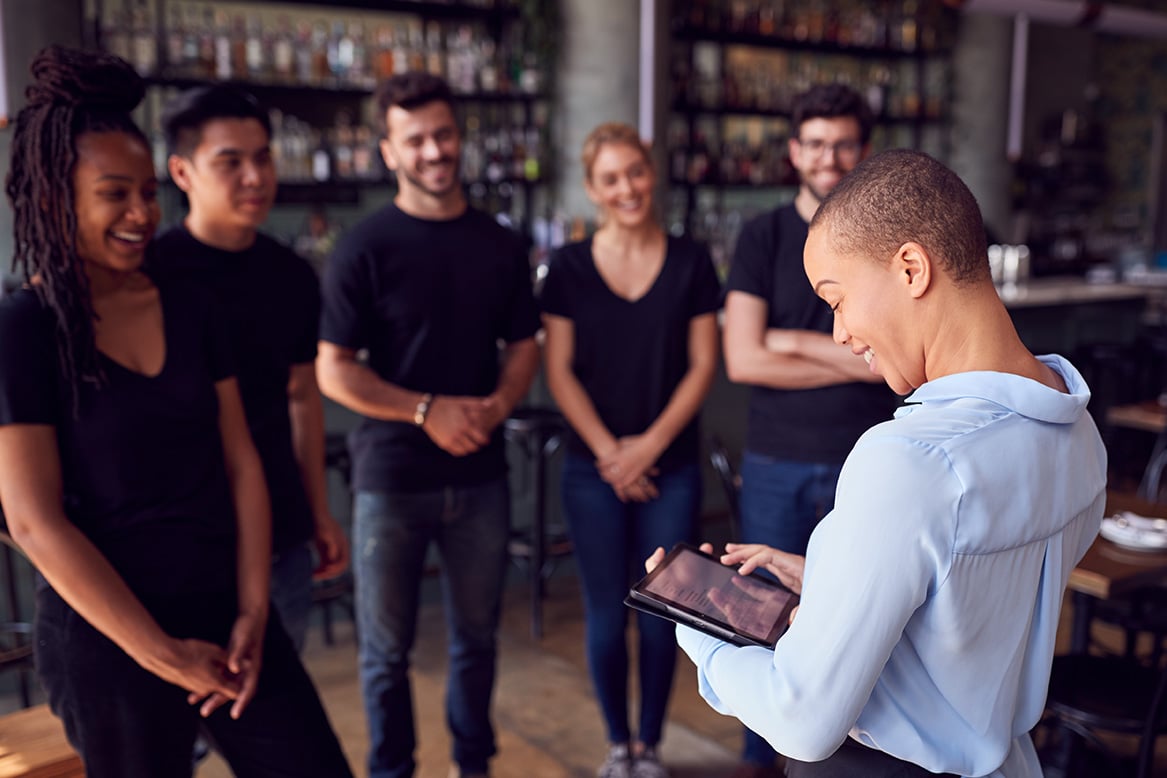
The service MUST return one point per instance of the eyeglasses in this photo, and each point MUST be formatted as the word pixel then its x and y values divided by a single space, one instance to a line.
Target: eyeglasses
pixel 844 149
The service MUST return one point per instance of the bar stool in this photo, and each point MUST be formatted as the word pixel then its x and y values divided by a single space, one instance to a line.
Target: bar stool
pixel 336 591
pixel 539 433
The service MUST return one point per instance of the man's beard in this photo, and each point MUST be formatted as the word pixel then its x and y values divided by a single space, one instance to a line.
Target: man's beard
pixel 455 178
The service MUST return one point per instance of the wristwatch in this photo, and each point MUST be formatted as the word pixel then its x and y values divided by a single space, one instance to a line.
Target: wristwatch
pixel 422 409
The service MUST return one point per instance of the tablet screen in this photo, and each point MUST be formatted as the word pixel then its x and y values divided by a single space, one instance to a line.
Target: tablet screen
pixel 697 584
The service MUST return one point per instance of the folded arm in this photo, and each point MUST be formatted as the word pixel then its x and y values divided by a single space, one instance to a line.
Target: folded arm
pixel 783 359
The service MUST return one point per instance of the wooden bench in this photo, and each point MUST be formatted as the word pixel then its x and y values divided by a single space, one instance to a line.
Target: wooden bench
pixel 33 745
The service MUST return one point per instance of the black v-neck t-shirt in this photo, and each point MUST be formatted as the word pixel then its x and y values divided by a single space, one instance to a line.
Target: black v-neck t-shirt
pixel 142 463
pixel 430 301
pixel 269 298
pixel 629 355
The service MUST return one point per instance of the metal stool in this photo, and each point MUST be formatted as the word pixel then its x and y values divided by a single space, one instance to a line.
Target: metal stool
pixel 539 433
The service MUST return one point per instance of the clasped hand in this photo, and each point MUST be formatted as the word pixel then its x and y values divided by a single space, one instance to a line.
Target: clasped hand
pixel 628 468
pixel 214 675
pixel 462 425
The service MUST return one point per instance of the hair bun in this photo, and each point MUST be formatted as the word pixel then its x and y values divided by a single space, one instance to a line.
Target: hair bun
pixel 75 78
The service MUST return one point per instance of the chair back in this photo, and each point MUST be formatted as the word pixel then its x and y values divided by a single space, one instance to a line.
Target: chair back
pixel 730 482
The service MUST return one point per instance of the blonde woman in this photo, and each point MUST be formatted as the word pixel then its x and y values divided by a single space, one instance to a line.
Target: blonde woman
pixel 630 355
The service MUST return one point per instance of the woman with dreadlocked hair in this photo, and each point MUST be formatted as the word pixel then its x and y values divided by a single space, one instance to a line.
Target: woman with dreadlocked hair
pixel 126 471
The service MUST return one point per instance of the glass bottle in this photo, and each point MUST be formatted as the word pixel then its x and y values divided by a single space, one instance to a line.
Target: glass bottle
pixel 257 60
pixel 222 46
pixel 284 50
pixel 175 39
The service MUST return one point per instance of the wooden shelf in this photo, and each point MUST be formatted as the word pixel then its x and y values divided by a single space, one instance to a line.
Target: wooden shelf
pixel 789 44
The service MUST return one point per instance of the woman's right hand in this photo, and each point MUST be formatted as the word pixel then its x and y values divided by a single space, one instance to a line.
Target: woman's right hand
pixel 787 568
pixel 198 666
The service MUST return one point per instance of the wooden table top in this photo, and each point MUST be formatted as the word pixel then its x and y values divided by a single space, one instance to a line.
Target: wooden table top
pixel 1150 415
pixel 1109 569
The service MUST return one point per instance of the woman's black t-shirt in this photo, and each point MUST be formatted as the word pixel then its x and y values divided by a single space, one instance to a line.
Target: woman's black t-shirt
pixel 629 355
pixel 142 462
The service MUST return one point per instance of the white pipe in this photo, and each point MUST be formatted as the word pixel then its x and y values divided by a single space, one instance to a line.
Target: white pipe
pixel 647 69
pixel 1016 128
pixel 1103 17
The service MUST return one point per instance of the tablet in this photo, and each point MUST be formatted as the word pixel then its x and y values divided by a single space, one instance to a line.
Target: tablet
pixel 694 588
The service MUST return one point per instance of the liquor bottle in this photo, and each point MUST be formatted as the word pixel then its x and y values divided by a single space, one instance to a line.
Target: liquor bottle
pixel 321 157
pixel 175 38
pixel 363 151
pixel 434 58
pixel 487 66
pixel 400 49
pixel 191 61
pixel 222 46
pixel 239 47
pixel 116 33
pixel 359 73
pixel 320 66
pixel 256 59
pixel 384 58
pixel 207 41
pixel 144 52
pixel 342 147
pixel 472 149
pixel 302 55
pixel 534 146
pixel 284 50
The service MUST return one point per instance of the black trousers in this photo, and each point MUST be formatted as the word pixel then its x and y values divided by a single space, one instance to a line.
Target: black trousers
pixel 855 760
pixel 128 723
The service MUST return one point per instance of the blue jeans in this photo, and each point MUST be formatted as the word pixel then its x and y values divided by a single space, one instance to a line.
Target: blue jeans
pixel 782 501
pixel 611 540
pixel 291 590
pixel 392 532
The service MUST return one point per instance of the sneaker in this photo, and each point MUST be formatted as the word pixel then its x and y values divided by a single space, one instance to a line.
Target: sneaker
pixel 618 764
pixel 647 765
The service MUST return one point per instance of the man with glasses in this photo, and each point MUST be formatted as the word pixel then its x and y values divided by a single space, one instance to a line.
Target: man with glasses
pixel 811 399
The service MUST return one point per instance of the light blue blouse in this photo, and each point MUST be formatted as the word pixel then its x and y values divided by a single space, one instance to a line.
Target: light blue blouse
pixel 932 591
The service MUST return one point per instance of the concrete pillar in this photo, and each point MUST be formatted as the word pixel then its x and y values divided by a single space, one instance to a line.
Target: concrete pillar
pixel 981 66
pixel 597 83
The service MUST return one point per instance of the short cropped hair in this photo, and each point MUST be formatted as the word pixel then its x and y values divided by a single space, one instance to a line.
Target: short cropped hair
pixel 832 101
pixel 606 134
pixel 185 116
pixel 901 195
pixel 411 90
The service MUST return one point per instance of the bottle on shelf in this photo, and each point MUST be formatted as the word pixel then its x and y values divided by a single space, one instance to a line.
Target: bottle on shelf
pixel 144 44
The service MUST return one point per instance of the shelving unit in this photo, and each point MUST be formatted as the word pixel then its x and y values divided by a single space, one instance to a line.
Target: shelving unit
pixel 315 65
pixel 736 66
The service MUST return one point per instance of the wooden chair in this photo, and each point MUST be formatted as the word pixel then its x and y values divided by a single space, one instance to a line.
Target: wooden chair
pixel 33 745
pixel 1092 696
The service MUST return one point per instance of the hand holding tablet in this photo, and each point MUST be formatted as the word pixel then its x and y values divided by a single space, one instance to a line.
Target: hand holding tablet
pixel 694 588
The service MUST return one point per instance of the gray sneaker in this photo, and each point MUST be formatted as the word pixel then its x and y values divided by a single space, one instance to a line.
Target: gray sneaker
pixel 648 765
pixel 618 764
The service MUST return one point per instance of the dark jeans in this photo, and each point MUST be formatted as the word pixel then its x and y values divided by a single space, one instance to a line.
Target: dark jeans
pixel 391 535
pixel 291 590
pixel 611 540
pixel 782 502
pixel 128 723
pixel 855 760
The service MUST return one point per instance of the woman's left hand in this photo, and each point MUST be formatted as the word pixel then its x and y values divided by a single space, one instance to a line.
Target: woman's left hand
pixel 244 660
pixel 632 459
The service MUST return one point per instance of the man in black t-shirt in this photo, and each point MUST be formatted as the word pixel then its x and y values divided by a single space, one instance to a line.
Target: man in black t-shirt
pixel 811 399
pixel 220 156
pixel 428 288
